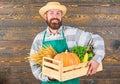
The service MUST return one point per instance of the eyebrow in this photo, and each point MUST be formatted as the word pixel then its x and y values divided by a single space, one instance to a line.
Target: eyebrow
pixel 52 10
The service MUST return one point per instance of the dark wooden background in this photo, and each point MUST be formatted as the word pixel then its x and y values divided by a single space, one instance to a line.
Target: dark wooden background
pixel 20 22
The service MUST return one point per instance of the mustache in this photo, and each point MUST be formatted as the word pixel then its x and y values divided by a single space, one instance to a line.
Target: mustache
pixel 55 19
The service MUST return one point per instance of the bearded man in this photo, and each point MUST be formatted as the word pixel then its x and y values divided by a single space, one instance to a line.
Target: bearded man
pixel 63 38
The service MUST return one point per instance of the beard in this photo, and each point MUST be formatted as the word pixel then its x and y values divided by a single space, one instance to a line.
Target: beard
pixel 54 25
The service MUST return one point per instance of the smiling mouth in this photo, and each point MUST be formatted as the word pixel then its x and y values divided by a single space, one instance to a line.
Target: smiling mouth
pixel 54 21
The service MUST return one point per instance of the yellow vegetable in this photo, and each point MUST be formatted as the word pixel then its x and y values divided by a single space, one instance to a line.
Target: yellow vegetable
pixel 85 59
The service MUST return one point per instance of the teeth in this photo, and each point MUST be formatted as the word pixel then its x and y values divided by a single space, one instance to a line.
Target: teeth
pixel 55 21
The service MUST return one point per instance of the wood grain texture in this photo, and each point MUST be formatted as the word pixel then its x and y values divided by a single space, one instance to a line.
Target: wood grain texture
pixel 20 22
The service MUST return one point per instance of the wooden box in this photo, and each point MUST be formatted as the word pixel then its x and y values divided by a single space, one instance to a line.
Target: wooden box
pixel 57 71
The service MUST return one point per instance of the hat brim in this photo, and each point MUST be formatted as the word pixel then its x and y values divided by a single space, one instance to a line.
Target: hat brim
pixel 46 8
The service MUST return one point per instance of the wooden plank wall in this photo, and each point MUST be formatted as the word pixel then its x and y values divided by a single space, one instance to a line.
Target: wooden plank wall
pixel 20 22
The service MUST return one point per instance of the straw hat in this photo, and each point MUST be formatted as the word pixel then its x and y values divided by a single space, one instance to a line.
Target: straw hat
pixel 52 6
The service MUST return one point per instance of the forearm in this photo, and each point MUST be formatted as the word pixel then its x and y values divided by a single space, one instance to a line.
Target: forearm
pixel 99 48
pixel 36 68
pixel 37 71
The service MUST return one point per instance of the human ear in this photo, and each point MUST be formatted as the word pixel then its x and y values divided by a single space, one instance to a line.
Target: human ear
pixel 45 16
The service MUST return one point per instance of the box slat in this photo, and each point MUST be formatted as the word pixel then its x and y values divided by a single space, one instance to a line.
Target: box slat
pixel 51 73
pixel 51 65
pixel 74 74
pixel 72 67
pixel 77 73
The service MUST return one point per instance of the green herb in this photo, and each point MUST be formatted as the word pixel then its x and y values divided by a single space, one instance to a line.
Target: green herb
pixel 81 51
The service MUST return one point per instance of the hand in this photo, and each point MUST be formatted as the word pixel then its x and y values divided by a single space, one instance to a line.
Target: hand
pixel 51 79
pixel 93 65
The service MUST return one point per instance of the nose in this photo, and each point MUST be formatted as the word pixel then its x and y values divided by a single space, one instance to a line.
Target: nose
pixel 55 15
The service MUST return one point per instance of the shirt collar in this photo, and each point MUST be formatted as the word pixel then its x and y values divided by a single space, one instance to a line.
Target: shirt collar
pixel 48 33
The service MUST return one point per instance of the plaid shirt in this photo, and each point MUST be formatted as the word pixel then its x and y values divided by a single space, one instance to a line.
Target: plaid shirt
pixel 74 37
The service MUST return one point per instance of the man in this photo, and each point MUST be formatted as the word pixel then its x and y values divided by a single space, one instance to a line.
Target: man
pixel 62 38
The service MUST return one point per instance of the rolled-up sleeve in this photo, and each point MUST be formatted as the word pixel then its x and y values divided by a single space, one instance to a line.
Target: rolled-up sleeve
pixel 99 48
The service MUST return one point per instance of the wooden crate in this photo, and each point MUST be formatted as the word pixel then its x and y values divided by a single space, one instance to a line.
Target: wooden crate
pixel 57 71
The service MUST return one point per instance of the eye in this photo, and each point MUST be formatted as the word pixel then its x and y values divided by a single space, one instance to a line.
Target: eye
pixel 59 13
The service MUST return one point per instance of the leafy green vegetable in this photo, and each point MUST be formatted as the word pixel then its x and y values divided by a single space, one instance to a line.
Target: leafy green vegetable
pixel 90 55
pixel 81 51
